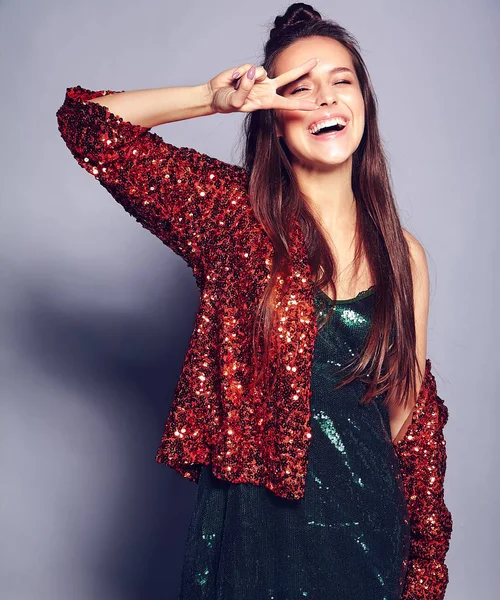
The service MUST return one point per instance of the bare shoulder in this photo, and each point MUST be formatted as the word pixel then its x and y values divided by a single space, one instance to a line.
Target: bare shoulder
pixel 417 251
pixel 420 277
pixel 418 257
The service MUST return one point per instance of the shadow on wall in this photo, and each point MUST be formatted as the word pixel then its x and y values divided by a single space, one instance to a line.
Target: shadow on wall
pixel 92 404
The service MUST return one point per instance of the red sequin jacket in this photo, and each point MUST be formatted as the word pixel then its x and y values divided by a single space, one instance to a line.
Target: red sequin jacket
pixel 199 207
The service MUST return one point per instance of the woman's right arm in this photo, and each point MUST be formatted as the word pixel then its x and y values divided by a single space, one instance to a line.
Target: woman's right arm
pixel 177 193
pixel 150 108
pixel 184 197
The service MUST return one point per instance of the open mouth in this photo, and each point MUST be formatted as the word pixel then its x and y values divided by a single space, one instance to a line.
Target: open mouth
pixel 329 129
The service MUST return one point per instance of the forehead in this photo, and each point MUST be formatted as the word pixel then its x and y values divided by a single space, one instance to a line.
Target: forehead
pixel 330 52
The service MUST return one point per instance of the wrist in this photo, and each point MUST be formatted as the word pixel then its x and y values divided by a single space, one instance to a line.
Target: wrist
pixel 206 97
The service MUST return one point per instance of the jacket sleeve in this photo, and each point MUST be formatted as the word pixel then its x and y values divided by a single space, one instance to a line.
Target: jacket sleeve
pixel 422 457
pixel 182 196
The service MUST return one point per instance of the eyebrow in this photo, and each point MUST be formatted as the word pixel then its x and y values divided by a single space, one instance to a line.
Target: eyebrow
pixel 330 72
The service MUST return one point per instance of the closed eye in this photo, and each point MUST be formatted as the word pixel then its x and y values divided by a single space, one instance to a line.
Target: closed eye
pixel 303 88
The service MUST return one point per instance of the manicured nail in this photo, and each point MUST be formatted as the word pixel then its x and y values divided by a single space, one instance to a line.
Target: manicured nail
pixel 237 84
pixel 235 75
pixel 251 72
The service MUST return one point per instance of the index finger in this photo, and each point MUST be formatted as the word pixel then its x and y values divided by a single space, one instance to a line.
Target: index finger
pixel 282 103
pixel 295 73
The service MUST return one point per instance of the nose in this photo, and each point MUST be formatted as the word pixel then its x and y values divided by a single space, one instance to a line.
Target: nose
pixel 327 101
pixel 326 95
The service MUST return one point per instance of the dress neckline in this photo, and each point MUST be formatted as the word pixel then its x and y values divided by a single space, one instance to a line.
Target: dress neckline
pixel 358 296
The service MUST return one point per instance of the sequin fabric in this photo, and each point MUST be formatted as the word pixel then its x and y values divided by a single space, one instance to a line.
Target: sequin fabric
pixel 422 456
pixel 348 537
pixel 199 207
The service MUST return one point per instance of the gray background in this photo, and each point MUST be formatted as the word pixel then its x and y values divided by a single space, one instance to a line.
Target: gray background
pixel 97 313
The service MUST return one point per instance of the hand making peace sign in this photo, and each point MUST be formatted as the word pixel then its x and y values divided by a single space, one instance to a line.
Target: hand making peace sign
pixel 255 90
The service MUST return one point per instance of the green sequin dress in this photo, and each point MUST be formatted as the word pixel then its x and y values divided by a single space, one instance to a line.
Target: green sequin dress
pixel 348 538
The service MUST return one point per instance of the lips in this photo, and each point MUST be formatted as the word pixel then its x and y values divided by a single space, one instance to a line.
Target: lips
pixel 329 117
pixel 330 135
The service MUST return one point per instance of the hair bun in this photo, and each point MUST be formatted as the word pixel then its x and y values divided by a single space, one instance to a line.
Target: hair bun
pixel 297 13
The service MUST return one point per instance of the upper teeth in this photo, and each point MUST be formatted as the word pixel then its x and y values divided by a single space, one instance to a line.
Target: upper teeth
pixel 330 123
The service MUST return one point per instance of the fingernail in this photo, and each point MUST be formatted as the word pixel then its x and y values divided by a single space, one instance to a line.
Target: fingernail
pixel 237 84
pixel 251 72
pixel 235 75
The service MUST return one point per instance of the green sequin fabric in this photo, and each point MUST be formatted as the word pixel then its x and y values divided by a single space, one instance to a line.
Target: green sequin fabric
pixel 348 538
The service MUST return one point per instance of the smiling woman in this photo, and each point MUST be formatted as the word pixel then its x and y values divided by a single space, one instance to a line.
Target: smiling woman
pixel 306 409
pixel 366 528
pixel 337 92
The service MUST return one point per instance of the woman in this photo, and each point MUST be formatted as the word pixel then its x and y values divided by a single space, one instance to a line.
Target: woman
pixel 306 409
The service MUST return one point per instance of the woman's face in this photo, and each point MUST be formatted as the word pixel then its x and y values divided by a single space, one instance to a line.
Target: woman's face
pixel 335 91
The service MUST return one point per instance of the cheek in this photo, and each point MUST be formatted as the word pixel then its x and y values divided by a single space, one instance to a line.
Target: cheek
pixel 352 97
pixel 359 103
pixel 292 119
pixel 357 106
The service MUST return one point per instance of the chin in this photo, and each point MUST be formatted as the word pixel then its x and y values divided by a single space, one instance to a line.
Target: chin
pixel 324 163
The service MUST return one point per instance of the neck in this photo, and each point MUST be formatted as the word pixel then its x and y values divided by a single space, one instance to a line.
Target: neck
pixel 329 193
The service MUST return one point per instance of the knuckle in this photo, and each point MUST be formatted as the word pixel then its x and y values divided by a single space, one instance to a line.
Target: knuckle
pixel 236 102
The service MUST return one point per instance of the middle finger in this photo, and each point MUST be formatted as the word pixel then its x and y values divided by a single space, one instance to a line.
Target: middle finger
pixel 295 73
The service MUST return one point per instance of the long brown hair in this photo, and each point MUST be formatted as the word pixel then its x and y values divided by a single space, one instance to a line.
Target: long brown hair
pixel 387 362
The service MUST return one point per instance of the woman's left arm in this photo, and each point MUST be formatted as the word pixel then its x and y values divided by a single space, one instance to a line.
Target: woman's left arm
pixel 422 458
pixel 421 449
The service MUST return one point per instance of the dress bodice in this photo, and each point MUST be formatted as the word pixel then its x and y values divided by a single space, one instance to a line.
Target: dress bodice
pixel 348 537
